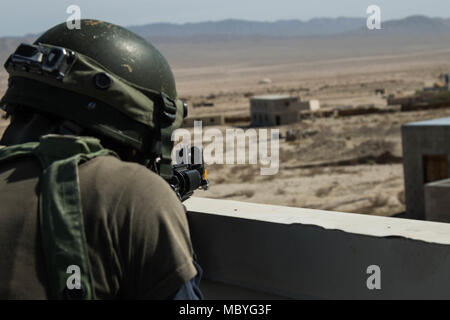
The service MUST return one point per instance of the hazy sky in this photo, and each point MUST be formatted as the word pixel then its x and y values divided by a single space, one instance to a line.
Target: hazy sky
pixel 18 17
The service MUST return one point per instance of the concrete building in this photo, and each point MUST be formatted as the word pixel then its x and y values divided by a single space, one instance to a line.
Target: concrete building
pixel 426 156
pixel 275 110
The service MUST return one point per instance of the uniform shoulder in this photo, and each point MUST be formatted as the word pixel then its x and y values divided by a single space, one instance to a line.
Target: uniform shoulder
pixel 130 181
pixel 136 215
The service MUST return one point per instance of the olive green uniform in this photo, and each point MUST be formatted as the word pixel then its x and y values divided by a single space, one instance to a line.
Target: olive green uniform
pixel 136 229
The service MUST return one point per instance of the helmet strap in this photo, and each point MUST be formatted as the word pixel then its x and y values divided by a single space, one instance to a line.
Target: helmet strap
pixel 173 114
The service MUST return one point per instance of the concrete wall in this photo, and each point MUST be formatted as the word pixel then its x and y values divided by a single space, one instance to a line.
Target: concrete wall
pixel 437 201
pixel 311 105
pixel 420 139
pixel 210 120
pixel 254 251
pixel 274 118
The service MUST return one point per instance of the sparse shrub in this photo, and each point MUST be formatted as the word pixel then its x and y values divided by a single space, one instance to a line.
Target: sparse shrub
pixel 219 180
pixel 248 193
pixel 269 177
pixel 379 200
pixel 315 171
pixel 401 197
pixel 248 176
pixel 286 155
pixel 323 192
pixel 338 170
pixel 235 169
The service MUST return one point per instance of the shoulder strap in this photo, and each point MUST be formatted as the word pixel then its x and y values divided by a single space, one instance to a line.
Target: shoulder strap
pixel 16 151
pixel 61 219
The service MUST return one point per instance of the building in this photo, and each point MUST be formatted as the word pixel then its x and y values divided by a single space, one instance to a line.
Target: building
pixel 275 110
pixel 426 155
pixel 310 105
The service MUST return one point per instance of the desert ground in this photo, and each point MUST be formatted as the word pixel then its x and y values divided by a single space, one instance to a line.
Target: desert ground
pixel 320 170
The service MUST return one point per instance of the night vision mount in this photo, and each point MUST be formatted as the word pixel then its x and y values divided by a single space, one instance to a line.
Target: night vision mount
pixel 48 60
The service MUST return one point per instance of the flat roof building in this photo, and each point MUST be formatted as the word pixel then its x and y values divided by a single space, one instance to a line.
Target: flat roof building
pixel 275 110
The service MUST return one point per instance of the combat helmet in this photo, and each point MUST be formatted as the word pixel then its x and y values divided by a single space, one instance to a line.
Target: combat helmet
pixel 102 77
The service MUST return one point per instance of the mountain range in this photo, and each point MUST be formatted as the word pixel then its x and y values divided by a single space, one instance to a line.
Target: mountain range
pixel 419 25
pixel 240 28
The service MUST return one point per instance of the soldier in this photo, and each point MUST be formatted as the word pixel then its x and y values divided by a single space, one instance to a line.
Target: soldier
pixel 78 221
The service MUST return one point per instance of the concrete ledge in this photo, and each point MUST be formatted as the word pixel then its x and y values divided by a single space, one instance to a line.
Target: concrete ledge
pixel 252 250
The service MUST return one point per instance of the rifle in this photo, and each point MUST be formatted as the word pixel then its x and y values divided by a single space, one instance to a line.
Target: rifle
pixel 188 175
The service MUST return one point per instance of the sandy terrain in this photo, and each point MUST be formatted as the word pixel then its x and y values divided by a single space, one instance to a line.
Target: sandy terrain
pixel 336 71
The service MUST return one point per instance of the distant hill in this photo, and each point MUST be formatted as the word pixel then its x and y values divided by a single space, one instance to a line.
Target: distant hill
pixel 231 29
pixel 414 25
pixel 240 28
pixel 419 25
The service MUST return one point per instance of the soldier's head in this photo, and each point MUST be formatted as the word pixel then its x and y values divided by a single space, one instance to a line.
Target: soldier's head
pixel 100 80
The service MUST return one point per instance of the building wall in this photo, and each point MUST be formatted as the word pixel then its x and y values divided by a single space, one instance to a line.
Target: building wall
pixel 426 158
pixel 437 201
pixel 210 120
pixel 256 251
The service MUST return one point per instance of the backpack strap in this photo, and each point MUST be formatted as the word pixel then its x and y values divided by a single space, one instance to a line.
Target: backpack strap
pixel 17 151
pixel 60 209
